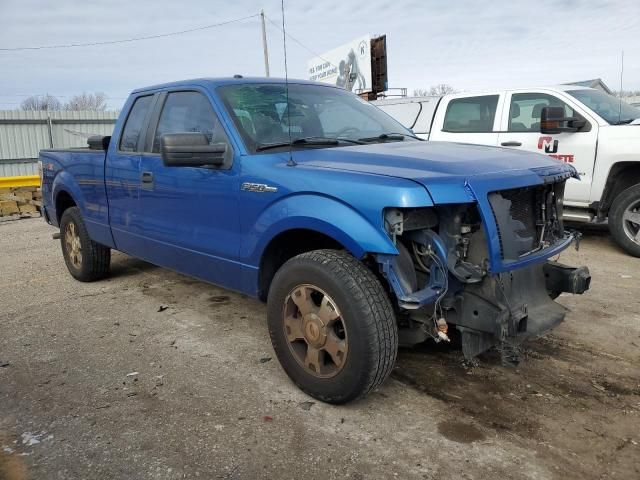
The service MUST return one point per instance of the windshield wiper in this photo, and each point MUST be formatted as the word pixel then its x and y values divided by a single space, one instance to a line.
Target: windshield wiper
pixel 389 136
pixel 307 141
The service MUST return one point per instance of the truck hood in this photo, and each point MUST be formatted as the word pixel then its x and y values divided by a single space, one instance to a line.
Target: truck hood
pixel 445 169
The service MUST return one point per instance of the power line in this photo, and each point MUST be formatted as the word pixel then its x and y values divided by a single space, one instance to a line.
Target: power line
pixel 315 54
pixel 127 40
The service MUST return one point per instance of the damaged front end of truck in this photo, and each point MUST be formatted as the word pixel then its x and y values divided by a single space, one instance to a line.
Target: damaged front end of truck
pixel 479 261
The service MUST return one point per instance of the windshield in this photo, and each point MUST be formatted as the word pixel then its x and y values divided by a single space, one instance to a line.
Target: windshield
pixel 607 106
pixel 315 112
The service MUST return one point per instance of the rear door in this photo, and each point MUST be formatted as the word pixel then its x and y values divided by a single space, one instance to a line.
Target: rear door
pixel 122 172
pixel 468 119
pixel 521 131
pixel 188 216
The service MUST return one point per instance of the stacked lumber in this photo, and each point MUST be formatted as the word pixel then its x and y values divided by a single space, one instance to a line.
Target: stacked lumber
pixel 20 202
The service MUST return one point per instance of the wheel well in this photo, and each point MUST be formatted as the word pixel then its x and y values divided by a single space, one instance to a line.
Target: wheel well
pixel 63 201
pixel 621 176
pixel 287 245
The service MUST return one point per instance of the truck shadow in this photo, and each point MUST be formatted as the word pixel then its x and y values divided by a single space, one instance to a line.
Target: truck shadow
pixel 123 265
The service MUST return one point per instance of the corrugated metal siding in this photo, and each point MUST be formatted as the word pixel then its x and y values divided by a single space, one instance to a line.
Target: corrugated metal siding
pixel 12 168
pixel 23 138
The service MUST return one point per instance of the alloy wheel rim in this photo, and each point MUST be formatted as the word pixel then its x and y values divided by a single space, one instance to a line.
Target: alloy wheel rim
pixel 74 248
pixel 315 331
pixel 631 222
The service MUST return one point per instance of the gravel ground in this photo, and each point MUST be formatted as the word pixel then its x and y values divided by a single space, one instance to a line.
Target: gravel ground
pixel 151 374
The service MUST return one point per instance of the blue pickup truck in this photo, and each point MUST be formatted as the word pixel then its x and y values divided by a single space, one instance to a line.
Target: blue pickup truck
pixel 358 235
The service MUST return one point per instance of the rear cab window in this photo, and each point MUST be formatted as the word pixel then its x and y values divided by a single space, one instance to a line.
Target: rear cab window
pixel 471 114
pixel 132 133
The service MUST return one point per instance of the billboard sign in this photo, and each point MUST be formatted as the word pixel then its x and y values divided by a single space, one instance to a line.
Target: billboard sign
pixel 348 66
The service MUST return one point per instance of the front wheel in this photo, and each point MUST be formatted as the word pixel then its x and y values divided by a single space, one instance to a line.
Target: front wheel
pixel 624 220
pixel 331 325
pixel 86 260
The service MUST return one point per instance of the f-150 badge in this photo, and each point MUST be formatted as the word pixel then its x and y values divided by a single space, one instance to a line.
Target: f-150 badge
pixel 258 187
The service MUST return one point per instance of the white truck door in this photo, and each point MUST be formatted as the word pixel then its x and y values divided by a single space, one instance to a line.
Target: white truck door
pixel 468 119
pixel 521 130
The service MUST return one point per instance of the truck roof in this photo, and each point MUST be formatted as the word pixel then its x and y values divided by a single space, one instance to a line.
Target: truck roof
pixel 396 100
pixel 216 82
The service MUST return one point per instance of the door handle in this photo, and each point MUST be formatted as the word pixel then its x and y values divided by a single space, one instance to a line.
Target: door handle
pixel 511 144
pixel 146 179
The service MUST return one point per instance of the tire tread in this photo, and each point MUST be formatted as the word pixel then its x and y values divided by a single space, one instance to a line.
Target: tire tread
pixel 96 256
pixel 370 298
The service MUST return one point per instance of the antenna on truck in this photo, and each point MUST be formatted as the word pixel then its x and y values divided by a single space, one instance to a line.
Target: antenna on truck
pixel 620 93
pixel 291 162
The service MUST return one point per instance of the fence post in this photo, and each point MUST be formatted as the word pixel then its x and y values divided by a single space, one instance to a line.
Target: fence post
pixel 50 129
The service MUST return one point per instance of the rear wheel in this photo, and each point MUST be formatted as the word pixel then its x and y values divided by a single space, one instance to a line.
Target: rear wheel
pixel 624 220
pixel 332 325
pixel 86 260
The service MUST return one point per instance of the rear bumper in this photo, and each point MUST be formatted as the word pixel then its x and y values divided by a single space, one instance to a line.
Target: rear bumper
pixel 46 215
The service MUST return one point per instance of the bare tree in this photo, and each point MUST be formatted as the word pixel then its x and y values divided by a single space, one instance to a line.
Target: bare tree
pixel 434 91
pixel 96 102
pixel 626 93
pixel 41 102
pixel 441 89
pixel 420 92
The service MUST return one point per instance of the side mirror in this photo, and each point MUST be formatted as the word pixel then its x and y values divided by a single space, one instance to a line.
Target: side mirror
pixel 98 142
pixel 191 150
pixel 552 120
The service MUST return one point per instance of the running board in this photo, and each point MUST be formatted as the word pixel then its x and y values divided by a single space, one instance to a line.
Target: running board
pixel 576 215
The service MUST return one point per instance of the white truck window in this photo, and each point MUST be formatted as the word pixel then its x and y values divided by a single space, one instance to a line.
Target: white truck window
pixel 471 114
pixel 526 109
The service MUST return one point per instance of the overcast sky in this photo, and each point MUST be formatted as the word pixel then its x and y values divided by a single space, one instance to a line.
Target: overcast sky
pixel 469 44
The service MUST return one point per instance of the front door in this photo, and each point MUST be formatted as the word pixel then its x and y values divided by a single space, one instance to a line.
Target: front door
pixel 521 130
pixel 189 215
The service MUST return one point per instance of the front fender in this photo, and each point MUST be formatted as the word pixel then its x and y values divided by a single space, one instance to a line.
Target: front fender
pixel 322 214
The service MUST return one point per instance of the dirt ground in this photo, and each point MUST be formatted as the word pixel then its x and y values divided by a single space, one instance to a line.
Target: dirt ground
pixel 151 374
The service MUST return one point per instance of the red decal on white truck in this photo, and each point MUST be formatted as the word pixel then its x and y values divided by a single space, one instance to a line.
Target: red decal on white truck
pixel 548 143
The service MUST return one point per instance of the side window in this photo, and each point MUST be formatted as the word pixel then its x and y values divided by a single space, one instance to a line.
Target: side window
pixel 526 109
pixel 134 124
pixel 471 114
pixel 189 112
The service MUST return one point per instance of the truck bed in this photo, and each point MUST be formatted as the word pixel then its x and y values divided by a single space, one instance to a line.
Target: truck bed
pixel 81 170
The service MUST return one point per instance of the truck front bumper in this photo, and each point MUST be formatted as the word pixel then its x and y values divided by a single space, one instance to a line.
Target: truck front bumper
pixel 507 309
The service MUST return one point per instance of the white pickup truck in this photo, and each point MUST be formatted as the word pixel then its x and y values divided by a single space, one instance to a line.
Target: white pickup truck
pixel 595 132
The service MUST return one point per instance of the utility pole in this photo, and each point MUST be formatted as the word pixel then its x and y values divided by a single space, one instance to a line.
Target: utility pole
pixel 264 44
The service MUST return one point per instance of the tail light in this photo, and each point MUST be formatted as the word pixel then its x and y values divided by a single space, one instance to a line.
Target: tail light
pixel 40 172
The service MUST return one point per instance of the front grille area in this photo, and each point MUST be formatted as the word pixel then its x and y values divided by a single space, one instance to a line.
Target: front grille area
pixel 528 219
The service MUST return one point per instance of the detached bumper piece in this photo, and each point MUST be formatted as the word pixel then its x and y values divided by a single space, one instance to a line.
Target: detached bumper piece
pixel 509 308
pixel 563 278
